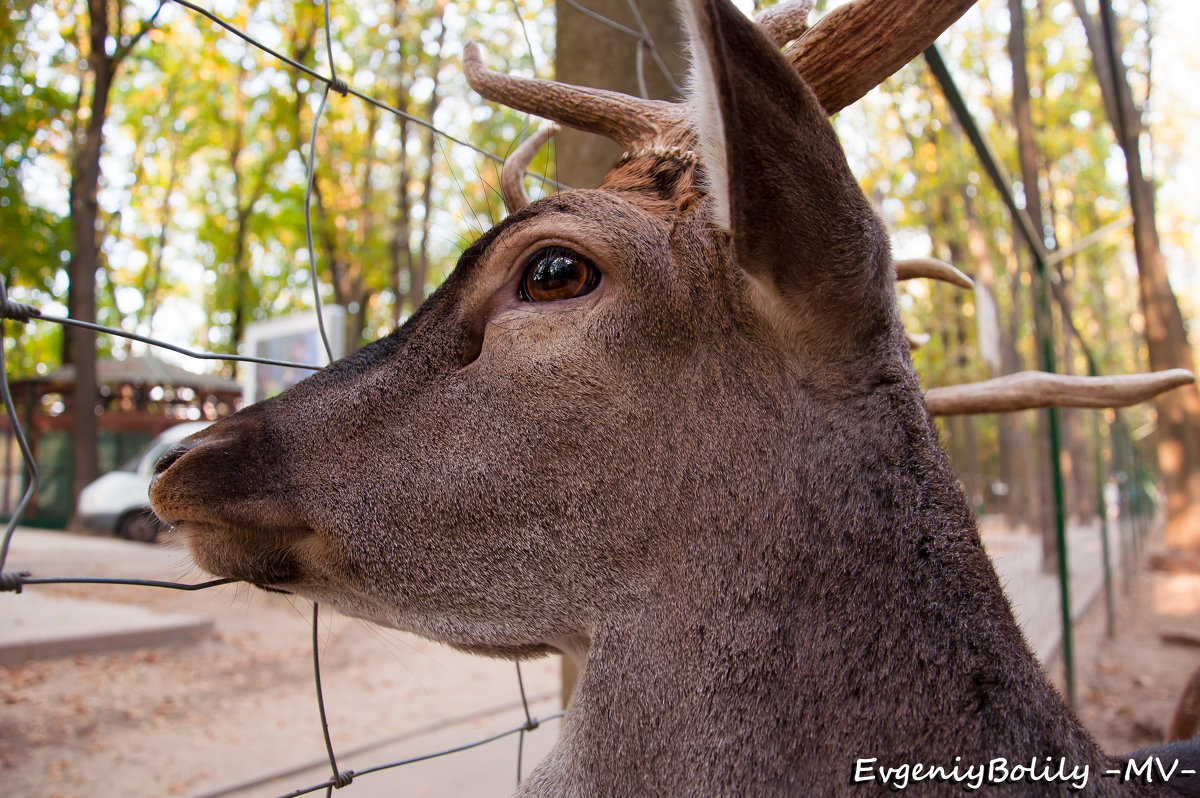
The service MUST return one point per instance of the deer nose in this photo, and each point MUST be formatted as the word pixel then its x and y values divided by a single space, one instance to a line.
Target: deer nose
pixel 169 457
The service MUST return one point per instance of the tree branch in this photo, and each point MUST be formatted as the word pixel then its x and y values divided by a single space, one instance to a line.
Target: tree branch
pixel 125 49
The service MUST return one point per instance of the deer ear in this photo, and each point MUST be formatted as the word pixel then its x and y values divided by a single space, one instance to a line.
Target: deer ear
pixel 774 167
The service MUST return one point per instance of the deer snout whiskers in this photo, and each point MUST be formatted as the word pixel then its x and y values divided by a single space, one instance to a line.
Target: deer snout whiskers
pixel 210 488
pixel 269 558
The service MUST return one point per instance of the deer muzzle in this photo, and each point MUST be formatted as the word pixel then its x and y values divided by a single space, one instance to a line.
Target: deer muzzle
pixel 216 489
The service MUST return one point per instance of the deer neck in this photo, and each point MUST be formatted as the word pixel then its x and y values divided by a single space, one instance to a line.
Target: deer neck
pixel 867 624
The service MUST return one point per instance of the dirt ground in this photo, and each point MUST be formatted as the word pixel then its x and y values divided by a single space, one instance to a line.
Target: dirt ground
pixel 207 718
pixel 1128 685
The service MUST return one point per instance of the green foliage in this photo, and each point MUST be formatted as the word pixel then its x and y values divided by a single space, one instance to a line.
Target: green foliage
pixel 204 175
pixel 37 235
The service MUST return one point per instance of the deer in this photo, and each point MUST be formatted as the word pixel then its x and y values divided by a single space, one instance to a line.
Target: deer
pixel 670 428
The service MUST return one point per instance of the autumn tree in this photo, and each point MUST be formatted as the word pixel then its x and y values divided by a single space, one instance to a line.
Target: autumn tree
pixel 33 116
pixel 1178 411
pixel 110 39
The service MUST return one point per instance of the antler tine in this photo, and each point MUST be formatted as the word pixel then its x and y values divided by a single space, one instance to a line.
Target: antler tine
pixel 829 55
pixel 512 174
pixel 631 122
pixel 857 46
pixel 1026 390
pixel 932 268
pixel 785 22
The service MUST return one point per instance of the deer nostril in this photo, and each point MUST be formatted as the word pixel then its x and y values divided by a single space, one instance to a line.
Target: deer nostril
pixel 169 457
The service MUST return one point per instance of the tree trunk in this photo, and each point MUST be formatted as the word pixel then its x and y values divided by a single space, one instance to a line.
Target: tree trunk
pixel 1010 436
pixel 356 311
pixel 1178 411
pixel 401 246
pixel 402 255
pixel 241 276
pixel 1028 155
pixel 80 345
pixel 593 54
pixel 1077 465
pixel 419 267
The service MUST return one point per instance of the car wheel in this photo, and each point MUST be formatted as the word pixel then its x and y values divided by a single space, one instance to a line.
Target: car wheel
pixel 141 525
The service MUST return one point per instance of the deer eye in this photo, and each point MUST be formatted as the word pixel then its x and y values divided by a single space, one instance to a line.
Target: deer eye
pixel 557 273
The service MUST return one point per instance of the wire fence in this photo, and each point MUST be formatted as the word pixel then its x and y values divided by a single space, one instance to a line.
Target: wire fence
pixel 24 313
pixel 1122 482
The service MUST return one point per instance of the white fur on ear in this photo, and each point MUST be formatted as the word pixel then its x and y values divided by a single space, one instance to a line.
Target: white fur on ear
pixel 705 116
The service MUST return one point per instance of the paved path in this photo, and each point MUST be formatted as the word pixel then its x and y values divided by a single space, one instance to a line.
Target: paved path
pixel 45 627
pixel 36 625
pixel 1035 594
pixel 225 713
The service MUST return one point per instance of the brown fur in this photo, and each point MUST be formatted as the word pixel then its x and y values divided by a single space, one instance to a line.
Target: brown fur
pixel 714 474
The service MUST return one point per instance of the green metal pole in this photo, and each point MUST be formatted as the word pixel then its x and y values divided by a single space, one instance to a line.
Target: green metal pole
pixel 1135 502
pixel 1046 345
pixel 1131 506
pixel 1144 505
pixel 1064 575
pixel 1102 509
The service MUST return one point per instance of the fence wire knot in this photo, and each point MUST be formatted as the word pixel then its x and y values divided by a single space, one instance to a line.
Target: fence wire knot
pixel 18 311
pixel 343 779
pixel 340 86
pixel 12 581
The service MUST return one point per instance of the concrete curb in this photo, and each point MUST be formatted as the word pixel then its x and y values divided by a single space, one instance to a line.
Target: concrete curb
pixel 39 627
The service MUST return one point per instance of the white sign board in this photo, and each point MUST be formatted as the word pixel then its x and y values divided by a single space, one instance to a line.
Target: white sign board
pixel 294 339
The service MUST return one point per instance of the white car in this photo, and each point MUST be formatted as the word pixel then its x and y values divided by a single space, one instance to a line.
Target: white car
pixel 118 502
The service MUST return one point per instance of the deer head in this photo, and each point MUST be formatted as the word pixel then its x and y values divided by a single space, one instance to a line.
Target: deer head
pixel 668 426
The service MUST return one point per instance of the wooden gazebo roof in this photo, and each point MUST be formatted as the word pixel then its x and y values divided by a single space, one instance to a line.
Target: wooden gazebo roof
pixel 139 371
pixel 128 400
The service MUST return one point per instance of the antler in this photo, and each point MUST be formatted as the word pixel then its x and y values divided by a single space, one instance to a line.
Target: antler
pixel 633 123
pixel 857 46
pixel 849 52
pixel 785 22
pixel 1026 390
pixel 933 268
pixel 512 174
